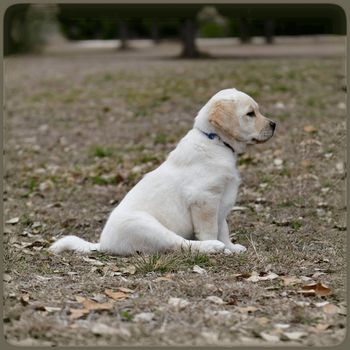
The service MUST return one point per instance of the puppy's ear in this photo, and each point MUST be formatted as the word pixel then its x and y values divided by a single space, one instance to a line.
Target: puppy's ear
pixel 222 116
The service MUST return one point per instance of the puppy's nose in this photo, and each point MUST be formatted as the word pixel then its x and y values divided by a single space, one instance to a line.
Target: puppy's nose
pixel 273 125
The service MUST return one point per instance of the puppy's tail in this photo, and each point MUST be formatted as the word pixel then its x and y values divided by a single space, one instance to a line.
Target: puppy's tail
pixel 74 243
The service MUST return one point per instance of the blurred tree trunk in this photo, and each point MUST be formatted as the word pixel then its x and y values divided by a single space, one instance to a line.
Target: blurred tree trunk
pixel 269 31
pixel 123 35
pixel 188 37
pixel 15 16
pixel 155 32
pixel 244 32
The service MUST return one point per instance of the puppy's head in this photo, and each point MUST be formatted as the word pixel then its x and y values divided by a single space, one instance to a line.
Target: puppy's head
pixel 237 119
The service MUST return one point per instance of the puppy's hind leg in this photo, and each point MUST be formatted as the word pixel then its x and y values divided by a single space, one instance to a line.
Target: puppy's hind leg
pixel 140 231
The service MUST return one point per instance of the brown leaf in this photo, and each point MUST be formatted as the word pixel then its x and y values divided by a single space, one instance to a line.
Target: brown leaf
pixel 263 321
pixel 310 129
pixel 93 305
pixel 320 327
pixel 126 290
pixel 116 295
pixel 291 280
pixel 315 289
pixel 330 309
pixel 77 313
pixel 305 163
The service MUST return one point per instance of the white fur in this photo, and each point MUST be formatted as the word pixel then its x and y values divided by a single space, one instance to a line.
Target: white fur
pixel 181 204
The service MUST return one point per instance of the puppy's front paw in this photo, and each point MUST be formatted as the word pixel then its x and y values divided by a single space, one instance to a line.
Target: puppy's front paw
pixel 237 248
pixel 211 246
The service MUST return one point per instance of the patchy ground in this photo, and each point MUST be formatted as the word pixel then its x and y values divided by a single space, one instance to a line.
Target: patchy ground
pixel 81 130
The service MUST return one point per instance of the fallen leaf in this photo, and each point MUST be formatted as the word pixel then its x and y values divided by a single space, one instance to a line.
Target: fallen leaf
pixel 289 281
pixel 255 277
pixel 305 278
pixel 340 167
pixel 315 289
pixel 263 321
pixel 126 290
pixel 247 309
pixel 116 295
pixel 321 304
pixel 93 305
pixel 318 274
pixel 144 317
pixel 305 163
pixel 46 186
pixel 238 208
pixel 13 221
pixel 310 129
pixel 129 270
pixel 103 329
pixel 270 276
pixel 293 335
pixel 93 261
pixel 6 277
pixel 330 309
pixel 178 302
pixel 36 225
pixel 52 309
pixel 77 313
pixel 214 299
pixel 320 327
pixel 278 161
pixel 242 275
pixel 25 299
pixel 199 270
pixel 269 337
pixel 282 325
pixel 302 303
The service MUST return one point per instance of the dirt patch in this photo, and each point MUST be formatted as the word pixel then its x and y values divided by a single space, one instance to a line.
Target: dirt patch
pixel 81 130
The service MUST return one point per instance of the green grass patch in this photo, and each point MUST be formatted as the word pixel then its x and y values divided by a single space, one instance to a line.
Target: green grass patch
pixel 104 180
pixel 126 316
pixel 171 262
pixel 161 139
pixel 101 152
pixel 156 263
pixel 145 158
pixel 295 225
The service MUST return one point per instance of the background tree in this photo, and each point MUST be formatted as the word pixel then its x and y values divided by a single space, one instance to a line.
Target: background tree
pixel 212 24
pixel 188 36
pixel 27 27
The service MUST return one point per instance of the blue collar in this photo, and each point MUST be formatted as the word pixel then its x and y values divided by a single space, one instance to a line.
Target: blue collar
pixel 212 136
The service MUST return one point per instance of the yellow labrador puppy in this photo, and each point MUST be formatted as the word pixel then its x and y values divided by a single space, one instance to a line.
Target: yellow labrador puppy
pixel 185 201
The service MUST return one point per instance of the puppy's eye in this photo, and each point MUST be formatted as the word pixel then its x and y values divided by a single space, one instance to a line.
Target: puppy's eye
pixel 251 114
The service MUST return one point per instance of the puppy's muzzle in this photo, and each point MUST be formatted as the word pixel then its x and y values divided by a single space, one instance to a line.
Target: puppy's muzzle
pixel 266 133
